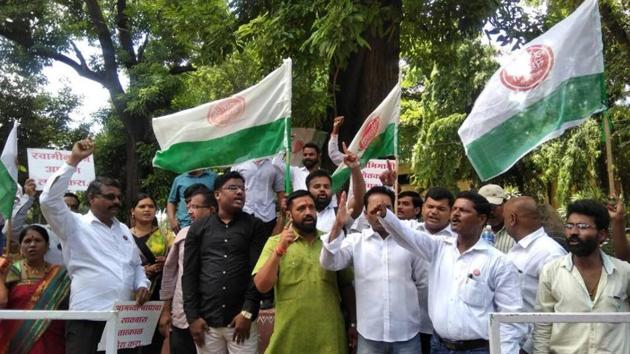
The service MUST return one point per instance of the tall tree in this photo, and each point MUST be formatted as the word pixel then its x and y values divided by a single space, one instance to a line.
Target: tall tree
pixel 148 43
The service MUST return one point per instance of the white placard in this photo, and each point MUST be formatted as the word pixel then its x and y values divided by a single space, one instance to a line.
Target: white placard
pixel 373 169
pixel 42 163
pixel 136 324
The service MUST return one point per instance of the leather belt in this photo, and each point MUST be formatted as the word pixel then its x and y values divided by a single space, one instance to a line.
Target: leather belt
pixel 464 344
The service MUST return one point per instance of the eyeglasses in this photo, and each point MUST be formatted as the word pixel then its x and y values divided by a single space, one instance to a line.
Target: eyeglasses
pixel 580 226
pixel 234 188
pixel 111 196
pixel 195 207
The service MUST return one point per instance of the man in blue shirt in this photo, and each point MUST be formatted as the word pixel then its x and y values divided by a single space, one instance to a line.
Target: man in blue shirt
pixel 176 207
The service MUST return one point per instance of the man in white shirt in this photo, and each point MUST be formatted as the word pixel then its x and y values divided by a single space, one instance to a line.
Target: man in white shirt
pixel 386 280
pixel 101 255
pixel 468 278
pixel 436 212
pixel 319 184
pixel 264 184
pixel 311 159
pixel 585 280
pixel 532 249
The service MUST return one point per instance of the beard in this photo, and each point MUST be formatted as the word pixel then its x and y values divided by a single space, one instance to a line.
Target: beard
pixel 309 163
pixel 307 225
pixel 582 248
pixel 320 204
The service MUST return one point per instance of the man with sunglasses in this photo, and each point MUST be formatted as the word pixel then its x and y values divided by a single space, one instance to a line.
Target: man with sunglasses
pixel 220 300
pixel 99 251
pixel 585 280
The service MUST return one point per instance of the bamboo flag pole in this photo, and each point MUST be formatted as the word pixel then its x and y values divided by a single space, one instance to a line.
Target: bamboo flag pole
pixel 609 156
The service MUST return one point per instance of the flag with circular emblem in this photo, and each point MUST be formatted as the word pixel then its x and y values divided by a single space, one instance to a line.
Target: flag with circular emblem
pixel 376 137
pixel 248 125
pixel 555 82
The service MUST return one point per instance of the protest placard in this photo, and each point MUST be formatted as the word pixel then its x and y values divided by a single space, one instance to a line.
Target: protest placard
pixel 136 324
pixel 42 163
pixel 373 169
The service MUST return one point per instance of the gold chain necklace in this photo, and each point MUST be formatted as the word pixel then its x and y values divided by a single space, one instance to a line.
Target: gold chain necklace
pixel 32 272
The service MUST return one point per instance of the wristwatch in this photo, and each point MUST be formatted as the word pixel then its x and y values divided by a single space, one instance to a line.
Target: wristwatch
pixel 248 315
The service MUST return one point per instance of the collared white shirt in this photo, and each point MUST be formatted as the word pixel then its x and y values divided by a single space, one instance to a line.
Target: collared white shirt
pixel 298 177
pixel 464 288
pixel 420 226
pixel 103 262
pixel 263 180
pixel 529 255
pixel 386 278
pixel 562 289
pixel 326 218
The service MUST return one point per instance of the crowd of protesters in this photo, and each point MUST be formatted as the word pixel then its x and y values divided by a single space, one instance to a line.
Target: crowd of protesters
pixel 367 272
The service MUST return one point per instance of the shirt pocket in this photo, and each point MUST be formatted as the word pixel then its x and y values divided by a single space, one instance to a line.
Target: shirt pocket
pixel 615 300
pixel 475 293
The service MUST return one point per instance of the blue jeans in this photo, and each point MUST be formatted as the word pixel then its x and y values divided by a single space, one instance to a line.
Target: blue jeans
pixel 438 347
pixel 366 346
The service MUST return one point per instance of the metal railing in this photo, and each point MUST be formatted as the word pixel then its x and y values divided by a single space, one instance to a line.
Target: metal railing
pixel 111 347
pixel 547 317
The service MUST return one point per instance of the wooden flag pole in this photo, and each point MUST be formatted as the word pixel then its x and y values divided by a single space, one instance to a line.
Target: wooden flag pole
pixel 609 157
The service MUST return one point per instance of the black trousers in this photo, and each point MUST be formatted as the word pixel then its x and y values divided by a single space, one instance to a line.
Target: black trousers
pixel 425 343
pixel 181 341
pixel 83 336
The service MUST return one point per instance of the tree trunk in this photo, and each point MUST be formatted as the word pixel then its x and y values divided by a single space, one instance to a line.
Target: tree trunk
pixel 370 75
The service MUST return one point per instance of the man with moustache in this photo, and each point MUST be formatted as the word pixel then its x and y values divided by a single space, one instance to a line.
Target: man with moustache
pixel 173 324
pixel 100 254
pixel 387 278
pixel 436 212
pixel 468 278
pixel 532 249
pixel 308 313
pixel 585 280
pixel 220 300
pixel 409 205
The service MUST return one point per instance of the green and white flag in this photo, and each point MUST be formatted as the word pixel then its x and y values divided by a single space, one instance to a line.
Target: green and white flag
pixel 248 125
pixel 553 83
pixel 377 137
pixel 8 174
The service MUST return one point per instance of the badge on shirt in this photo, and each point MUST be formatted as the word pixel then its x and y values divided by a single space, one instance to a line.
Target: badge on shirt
pixel 476 272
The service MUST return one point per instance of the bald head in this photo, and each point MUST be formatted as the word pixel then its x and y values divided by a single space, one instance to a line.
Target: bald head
pixel 521 217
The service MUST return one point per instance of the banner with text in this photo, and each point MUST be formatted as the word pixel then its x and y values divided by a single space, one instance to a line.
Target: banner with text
pixel 136 324
pixel 42 163
pixel 373 169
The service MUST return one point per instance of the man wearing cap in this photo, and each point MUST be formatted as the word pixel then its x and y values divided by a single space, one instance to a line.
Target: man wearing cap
pixel 497 197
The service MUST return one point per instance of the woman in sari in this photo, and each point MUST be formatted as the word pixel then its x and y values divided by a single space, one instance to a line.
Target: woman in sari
pixel 154 244
pixel 33 284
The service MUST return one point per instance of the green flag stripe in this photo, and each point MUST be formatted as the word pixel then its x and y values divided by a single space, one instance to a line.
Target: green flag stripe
pixel 8 188
pixel 382 145
pixel 243 145
pixel 496 151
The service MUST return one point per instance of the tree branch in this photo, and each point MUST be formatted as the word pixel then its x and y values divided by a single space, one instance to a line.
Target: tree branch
pixel 180 69
pixel 104 35
pixel 124 34
pixel 79 68
pixel 79 55
pixel 142 47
